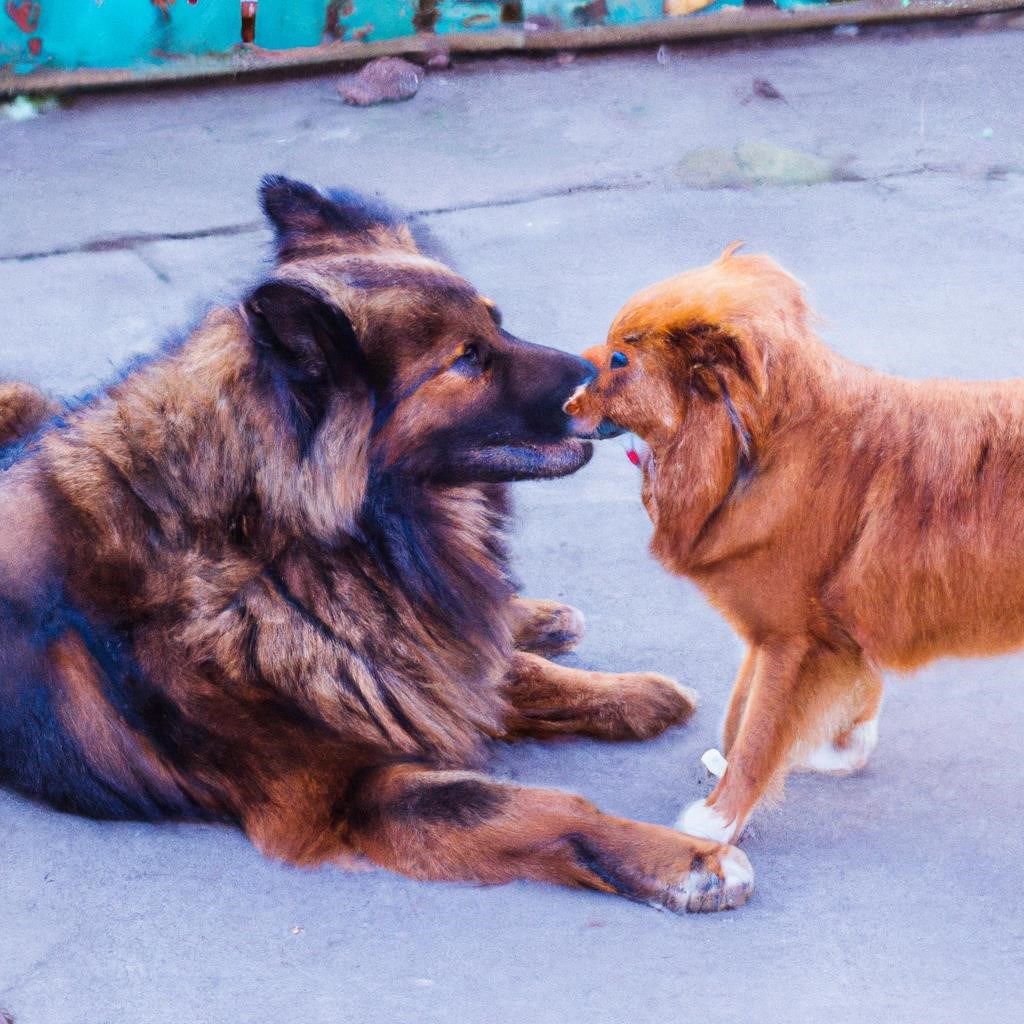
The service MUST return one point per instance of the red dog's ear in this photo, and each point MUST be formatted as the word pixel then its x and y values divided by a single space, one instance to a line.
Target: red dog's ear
pixel 718 443
pixel 724 368
pixel 720 361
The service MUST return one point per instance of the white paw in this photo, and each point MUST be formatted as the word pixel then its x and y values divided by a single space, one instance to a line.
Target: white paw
pixel 704 890
pixel 737 870
pixel 703 821
pixel 852 757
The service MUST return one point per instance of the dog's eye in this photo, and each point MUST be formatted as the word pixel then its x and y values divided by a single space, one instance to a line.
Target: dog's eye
pixel 472 359
pixel 619 360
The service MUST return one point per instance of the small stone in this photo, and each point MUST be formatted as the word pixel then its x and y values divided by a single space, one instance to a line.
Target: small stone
pixel 846 30
pixel 386 80
pixel 662 56
pixel 562 59
pixel 439 60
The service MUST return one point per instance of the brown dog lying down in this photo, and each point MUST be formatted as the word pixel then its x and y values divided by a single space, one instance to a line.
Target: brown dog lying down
pixel 843 521
pixel 262 580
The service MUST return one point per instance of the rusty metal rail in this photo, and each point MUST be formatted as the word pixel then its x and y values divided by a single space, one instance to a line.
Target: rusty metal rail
pixel 251 60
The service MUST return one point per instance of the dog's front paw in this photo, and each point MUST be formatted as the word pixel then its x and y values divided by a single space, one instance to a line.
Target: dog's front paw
pixel 702 820
pixel 715 883
pixel 546 627
pixel 652 703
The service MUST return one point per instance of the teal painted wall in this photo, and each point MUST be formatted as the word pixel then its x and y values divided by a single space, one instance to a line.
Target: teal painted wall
pixel 68 34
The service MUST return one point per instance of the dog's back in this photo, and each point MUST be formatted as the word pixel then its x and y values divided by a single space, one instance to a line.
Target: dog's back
pixel 931 489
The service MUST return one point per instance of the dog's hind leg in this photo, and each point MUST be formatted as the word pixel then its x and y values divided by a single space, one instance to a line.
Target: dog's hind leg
pixel 461 826
pixel 544 627
pixel 554 700
pixel 852 730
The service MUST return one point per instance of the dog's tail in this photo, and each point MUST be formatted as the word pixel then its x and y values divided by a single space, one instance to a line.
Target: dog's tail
pixel 23 409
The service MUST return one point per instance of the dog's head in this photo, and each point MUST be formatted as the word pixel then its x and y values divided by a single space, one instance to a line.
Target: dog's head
pixel 357 317
pixel 694 346
pixel 685 368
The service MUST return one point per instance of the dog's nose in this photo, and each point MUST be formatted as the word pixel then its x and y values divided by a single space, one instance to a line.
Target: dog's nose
pixel 589 371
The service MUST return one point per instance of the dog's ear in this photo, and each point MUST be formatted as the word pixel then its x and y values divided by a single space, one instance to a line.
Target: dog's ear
pixel 718 357
pixel 725 377
pixel 305 219
pixel 309 347
pixel 719 442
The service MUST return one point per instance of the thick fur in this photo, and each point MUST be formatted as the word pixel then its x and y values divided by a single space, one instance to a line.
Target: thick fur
pixel 844 521
pixel 262 580
pixel 23 410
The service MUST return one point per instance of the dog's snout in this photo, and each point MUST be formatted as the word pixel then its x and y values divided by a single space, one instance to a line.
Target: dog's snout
pixel 546 382
pixel 569 405
pixel 588 376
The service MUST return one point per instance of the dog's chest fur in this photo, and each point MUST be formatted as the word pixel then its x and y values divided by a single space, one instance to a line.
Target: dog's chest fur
pixel 216 659
pixel 395 634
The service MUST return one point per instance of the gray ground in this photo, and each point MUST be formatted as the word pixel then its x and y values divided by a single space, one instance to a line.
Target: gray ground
pixel 894 896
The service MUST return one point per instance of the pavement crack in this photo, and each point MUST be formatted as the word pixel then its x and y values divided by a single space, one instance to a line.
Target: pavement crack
pixel 131 242
pixel 561 192
pixel 135 242
pixel 10 991
pixel 162 276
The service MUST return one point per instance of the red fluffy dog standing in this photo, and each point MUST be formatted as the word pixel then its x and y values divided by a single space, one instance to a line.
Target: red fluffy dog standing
pixel 843 520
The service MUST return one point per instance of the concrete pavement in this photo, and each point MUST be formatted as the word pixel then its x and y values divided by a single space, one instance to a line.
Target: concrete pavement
pixel 893 896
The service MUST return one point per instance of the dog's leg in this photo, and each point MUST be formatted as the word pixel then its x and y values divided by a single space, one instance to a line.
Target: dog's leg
pixel 552 700
pixel 460 826
pixel 848 745
pixel 544 627
pixel 738 700
pixel 774 718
